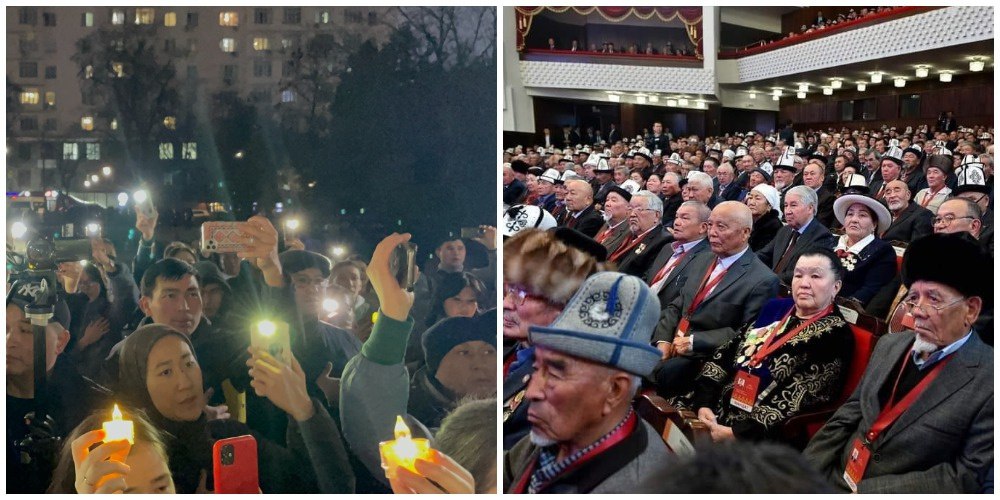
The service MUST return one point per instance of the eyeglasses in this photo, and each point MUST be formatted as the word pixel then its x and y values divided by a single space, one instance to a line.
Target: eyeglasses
pixel 948 219
pixel 307 283
pixel 521 294
pixel 924 309
pixel 639 209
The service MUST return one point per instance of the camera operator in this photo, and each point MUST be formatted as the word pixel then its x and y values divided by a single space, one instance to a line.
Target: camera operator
pixel 33 444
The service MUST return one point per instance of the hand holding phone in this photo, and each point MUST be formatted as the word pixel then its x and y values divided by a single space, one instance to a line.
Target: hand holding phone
pixel 394 301
pixel 403 265
pixel 234 465
pixel 222 237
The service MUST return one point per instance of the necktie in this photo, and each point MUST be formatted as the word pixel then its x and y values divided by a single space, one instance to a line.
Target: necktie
pixel 783 261
pixel 671 263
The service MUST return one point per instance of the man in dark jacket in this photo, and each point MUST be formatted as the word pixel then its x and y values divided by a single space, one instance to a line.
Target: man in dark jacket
pixel 580 213
pixel 802 232
pixel 910 221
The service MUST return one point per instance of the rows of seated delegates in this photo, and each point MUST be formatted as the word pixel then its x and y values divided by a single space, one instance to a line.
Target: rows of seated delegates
pixel 798 311
pixel 181 370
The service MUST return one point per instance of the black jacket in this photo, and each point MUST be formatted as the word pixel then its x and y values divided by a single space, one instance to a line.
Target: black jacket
pixel 914 222
pixel 874 268
pixel 589 222
pixel 639 259
pixel 764 230
pixel 815 235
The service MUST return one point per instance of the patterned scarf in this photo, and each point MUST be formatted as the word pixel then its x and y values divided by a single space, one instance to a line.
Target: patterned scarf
pixel 549 468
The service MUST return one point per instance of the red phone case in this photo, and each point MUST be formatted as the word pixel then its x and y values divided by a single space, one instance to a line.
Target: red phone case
pixel 239 472
pixel 221 237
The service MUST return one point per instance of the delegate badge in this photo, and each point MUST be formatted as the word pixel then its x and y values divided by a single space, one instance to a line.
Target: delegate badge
pixel 856 464
pixel 745 391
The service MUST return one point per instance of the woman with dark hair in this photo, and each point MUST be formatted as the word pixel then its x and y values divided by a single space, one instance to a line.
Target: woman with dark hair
pixel 96 325
pixel 457 295
pixel 159 373
pixel 792 360
pixel 84 468
pixel 870 261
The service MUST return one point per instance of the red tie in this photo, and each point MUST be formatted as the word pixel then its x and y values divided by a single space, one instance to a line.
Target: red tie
pixel 670 266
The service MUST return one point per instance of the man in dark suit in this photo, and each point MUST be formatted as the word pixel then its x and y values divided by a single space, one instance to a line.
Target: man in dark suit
pixel 802 232
pixel 690 228
pixel 670 190
pixel 722 290
pixel 940 377
pixel 513 189
pixel 910 221
pixel 614 135
pixel 729 190
pixel 580 213
pixel 812 177
pixel 659 140
pixel 647 237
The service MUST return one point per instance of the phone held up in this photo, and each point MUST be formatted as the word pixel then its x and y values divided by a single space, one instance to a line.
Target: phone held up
pixel 234 465
pixel 222 237
pixel 403 265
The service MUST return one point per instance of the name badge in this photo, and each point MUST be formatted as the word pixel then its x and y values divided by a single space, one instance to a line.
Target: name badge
pixel 745 391
pixel 857 462
pixel 682 327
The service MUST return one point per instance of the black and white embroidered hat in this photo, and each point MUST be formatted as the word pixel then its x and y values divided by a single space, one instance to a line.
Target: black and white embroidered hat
pixel 609 320
pixel 520 217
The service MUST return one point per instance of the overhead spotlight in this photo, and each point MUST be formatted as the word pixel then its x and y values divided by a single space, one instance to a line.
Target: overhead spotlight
pixel 614 98
pixel 876 77
pixel 777 92
pixel 86 183
pixel 836 83
pixel 977 65
pixel 753 95
pixel 899 82
pixel 862 86
pixel 682 101
pixel 827 90
pixel 801 95
pixel 803 87
pixel 640 99
pixel 94 178
pixel 654 98
pixel 945 76
pixel 922 71
pixel 671 102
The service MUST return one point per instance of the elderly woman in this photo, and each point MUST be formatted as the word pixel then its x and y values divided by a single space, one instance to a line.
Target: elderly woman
pixel 159 374
pixel 764 204
pixel 870 262
pixel 789 362
pixel 936 192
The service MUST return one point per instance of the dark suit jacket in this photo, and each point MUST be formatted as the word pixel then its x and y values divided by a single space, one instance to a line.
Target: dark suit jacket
pixel 816 235
pixel 875 268
pixel 824 207
pixel 734 302
pixel 614 136
pixel 941 444
pixel 613 241
pixel 731 193
pixel 671 289
pixel 670 206
pixel 589 222
pixel 662 143
pixel 913 223
pixel 515 424
pixel 638 260
pixel 764 230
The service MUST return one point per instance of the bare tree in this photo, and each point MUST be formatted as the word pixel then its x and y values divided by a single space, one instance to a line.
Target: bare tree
pixel 452 36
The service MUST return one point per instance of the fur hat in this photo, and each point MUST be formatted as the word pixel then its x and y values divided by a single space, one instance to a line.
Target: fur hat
pixel 956 260
pixel 546 265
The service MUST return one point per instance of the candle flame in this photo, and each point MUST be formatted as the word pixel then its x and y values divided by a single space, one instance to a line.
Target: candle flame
pixel 401 431
pixel 116 414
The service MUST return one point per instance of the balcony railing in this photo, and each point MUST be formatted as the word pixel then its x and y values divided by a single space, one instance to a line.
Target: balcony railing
pixel 586 56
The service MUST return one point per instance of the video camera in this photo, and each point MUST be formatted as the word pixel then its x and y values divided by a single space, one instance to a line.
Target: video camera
pixel 44 238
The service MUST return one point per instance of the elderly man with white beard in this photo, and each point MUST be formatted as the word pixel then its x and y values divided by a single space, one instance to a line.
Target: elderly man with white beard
pixel 910 221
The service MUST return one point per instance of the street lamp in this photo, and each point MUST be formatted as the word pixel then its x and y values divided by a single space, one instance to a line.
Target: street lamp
pixel 106 171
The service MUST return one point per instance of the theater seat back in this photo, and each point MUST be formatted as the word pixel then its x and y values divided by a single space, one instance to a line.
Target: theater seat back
pixel 864 343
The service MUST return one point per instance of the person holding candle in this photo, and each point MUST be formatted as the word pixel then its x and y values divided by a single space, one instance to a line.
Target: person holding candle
pixel 794 356
pixel 85 469
pixel 160 374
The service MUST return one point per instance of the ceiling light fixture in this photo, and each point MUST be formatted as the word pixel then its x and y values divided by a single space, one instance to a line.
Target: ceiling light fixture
pixel 654 98
pixel 837 83
pixel 862 86
pixel 682 101
pixel 945 76
pixel 977 64
pixel 899 82
pixel 640 99
pixel 922 71
pixel 753 95
pixel 775 98
pixel 671 102
pixel 876 77
pixel 803 87
pixel 827 90
pixel 801 95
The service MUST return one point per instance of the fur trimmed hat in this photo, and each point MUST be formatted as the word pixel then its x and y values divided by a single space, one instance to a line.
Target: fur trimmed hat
pixel 546 265
pixel 950 259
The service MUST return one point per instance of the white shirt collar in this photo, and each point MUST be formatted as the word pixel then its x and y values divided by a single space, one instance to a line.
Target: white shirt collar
pixel 686 247
pixel 857 247
pixel 727 262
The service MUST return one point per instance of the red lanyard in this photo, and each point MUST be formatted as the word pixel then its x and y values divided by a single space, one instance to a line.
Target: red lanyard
pixel 891 412
pixel 666 269
pixel 629 245
pixel 770 345
pixel 930 196
pixel 706 287
pixel 605 234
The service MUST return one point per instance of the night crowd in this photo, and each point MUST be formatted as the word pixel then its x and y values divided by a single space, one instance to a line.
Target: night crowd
pixel 164 335
pixel 813 309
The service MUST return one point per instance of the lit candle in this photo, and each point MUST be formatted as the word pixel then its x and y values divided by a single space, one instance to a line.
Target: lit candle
pixel 404 450
pixel 118 429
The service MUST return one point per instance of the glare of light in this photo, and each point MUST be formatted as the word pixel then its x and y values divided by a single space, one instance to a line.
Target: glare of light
pixel 122 199
pixel 876 77
pixel 862 86
pixel 777 92
pixel 899 82
pixel 977 65
pixel 338 251
pixel 94 178
pixel 803 87
pixel 140 196
pixel 801 95
pixel 945 77
pixel 266 328
pixel 922 71
pixel 312 184
pixel 86 183
pixel 640 99
pixel 682 101
pixel 238 155
pixel 654 98
pixel 93 228
pixel 671 102
pixel 836 83
pixel 106 171
pixel 827 90
pixel 614 98
pixel 775 98
pixel 292 224
pixel 18 230
pixel 753 95
pixel 330 305
pixel 279 205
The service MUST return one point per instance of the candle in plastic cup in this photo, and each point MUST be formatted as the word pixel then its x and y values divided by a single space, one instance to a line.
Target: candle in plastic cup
pixel 404 450
pixel 118 429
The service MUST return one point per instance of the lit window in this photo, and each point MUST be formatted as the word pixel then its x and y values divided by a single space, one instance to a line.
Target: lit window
pixel 287 43
pixel 260 43
pixel 88 72
pixel 287 96
pixel 170 19
pixel 87 123
pixel 93 151
pixel 145 16
pixel 229 18
pixel 189 150
pixel 50 99
pixel 228 44
pixel 118 17
pixel 88 19
pixel 71 151
pixel 323 17
pixel 29 96
pixel 118 69
pixel 166 151
pixel 114 124
pixel 170 122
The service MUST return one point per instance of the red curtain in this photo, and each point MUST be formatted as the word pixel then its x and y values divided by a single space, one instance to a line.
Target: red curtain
pixel 690 16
